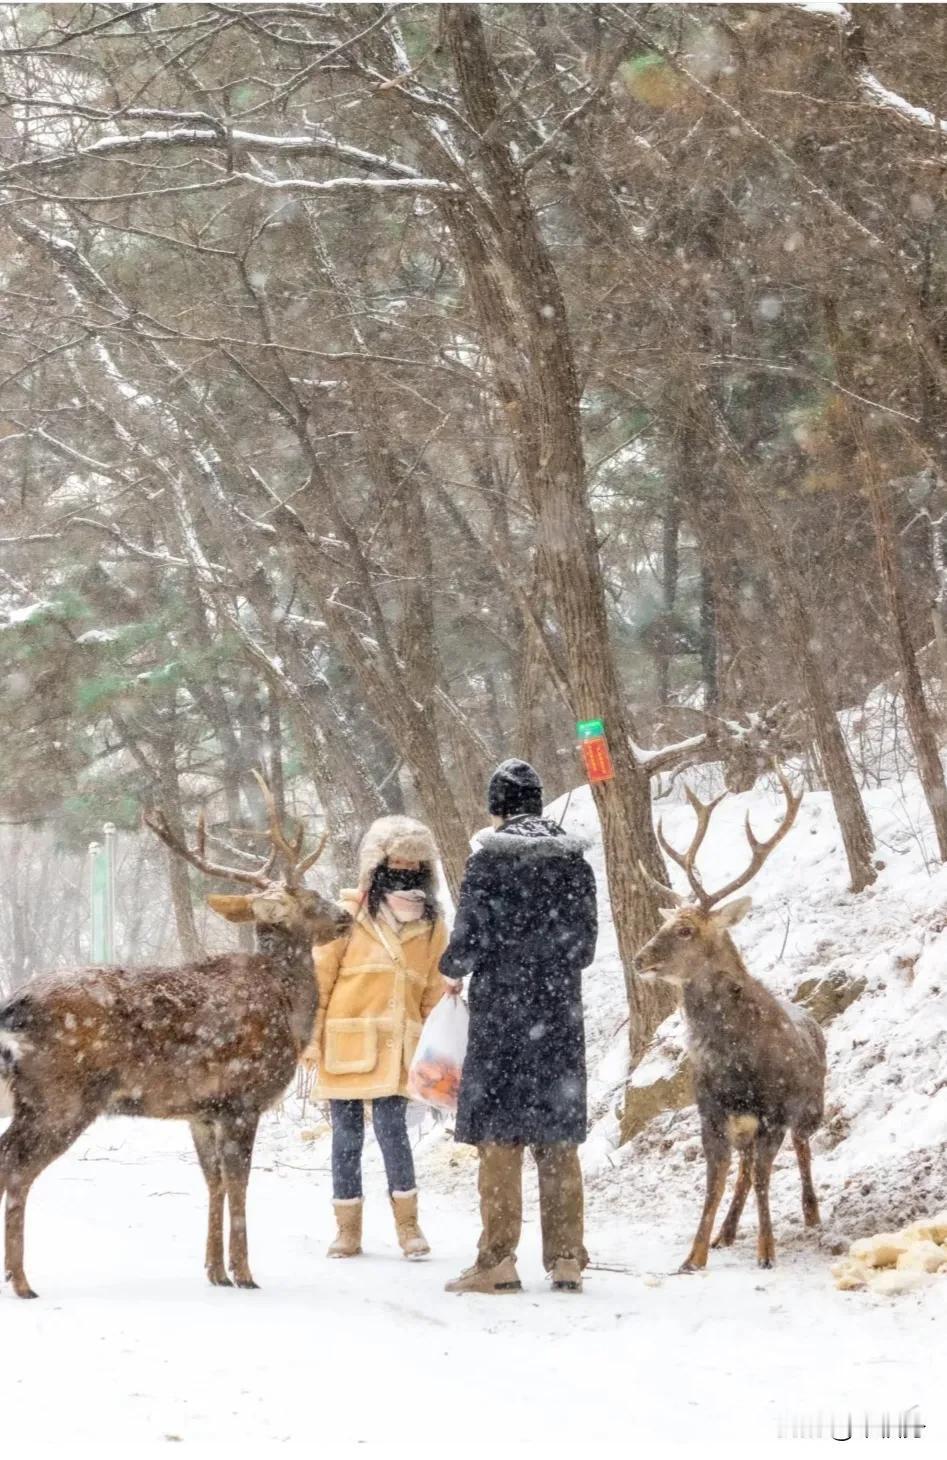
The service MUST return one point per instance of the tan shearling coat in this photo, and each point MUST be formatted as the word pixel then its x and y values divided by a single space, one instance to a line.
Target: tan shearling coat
pixel 377 985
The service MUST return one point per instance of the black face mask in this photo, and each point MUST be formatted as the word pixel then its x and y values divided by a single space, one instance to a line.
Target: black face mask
pixel 399 879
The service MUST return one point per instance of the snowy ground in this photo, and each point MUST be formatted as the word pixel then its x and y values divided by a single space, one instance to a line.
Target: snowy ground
pixel 128 1350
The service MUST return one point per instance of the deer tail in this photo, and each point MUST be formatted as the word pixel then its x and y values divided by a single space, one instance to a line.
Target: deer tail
pixel 10 1051
pixel 15 1021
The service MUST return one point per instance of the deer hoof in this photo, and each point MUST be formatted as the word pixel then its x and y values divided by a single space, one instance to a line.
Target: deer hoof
pixel 724 1239
pixel 766 1262
pixel 689 1266
pixel 23 1290
pixel 246 1282
pixel 218 1278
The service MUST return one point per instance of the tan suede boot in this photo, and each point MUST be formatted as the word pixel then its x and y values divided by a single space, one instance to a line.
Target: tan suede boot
pixel 494 1280
pixel 347 1241
pixel 566 1275
pixel 411 1239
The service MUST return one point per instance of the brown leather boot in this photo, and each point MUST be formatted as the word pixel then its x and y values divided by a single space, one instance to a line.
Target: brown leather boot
pixel 411 1239
pixel 347 1241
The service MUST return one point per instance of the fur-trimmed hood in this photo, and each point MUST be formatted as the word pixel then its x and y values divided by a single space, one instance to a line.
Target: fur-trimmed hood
pixel 531 836
pixel 394 836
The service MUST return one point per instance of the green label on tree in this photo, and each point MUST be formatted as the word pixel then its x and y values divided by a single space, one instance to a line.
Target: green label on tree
pixel 590 729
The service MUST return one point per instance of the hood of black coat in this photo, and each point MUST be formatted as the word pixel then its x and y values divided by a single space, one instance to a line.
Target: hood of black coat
pixel 531 836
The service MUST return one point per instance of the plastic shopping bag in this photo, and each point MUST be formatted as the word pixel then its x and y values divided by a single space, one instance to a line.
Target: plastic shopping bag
pixel 434 1074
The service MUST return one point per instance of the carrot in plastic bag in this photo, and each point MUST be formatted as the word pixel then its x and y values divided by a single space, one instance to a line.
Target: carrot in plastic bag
pixel 434 1075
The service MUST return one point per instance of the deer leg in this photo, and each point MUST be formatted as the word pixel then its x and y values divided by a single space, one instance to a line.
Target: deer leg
pixel 18 1189
pixel 764 1154
pixel 810 1202
pixel 14 1146
pixel 205 1143
pixel 236 1134
pixel 727 1234
pixel 26 1149
pixel 717 1154
pixel 6 1159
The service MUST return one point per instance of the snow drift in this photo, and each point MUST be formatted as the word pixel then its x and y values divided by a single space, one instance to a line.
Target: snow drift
pixel 881 1155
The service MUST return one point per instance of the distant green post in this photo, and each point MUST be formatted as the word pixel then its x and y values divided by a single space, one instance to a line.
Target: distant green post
pixel 110 846
pixel 102 897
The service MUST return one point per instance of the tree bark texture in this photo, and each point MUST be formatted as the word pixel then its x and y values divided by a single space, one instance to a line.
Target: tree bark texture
pixel 544 410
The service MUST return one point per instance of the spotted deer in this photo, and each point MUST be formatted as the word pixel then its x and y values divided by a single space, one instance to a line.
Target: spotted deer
pixel 213 1042
pixel 759 1063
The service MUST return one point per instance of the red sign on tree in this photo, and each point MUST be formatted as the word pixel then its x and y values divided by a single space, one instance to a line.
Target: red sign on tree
pixel 598 760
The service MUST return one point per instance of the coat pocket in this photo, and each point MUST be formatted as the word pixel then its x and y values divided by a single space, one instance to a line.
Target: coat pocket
pixel 351 1046
pixel 412 1033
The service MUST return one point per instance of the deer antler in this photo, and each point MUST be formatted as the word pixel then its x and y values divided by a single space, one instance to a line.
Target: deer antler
pixel 759 851
pixel 703 810
pixel 291 850
pixel 675 899
pixel 313 856
pixel 158 823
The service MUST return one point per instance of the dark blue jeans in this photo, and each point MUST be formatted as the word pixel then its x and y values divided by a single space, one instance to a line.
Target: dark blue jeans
pixel 389 1118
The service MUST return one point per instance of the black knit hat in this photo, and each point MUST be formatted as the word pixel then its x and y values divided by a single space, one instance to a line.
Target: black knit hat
pixel 515 790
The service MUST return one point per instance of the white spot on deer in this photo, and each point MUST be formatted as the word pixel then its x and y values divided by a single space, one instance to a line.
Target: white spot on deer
pixel 741 1129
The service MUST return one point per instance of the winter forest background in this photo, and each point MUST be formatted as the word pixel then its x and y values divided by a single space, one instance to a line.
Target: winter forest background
pixel 384 388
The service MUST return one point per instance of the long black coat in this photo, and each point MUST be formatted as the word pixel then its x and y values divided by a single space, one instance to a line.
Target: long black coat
pixel 526 927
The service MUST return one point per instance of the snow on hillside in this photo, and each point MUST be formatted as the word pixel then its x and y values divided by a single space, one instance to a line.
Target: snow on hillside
pixel 882 1155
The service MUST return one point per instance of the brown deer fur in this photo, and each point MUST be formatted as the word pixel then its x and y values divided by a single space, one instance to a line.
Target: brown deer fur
pixel 213 1042
pixel 759 1063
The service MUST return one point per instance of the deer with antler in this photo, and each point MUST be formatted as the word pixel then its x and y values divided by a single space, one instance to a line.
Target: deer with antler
pixel 759 1063
pixel 213 1042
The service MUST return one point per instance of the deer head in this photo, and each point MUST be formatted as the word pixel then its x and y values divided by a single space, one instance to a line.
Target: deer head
pixel 274 902
pixel 695 932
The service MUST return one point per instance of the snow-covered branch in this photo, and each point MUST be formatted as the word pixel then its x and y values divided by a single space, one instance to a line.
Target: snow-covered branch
pixel 882 96
pixel 394 176
pixel 873 91
pixel 378 186
pixel 745 747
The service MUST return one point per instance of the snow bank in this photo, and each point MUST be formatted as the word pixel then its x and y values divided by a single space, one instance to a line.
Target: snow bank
pixel 881 1157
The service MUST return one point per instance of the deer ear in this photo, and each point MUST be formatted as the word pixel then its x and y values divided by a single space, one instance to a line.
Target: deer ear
pixel 732 912
pixel 236 907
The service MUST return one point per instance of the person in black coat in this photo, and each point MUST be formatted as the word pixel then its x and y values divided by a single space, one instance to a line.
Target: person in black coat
pixel 526 927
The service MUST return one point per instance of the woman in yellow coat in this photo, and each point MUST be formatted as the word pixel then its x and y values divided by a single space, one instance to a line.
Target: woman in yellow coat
pixel 377 985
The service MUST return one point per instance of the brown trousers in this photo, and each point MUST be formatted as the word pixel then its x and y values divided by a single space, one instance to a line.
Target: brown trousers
pixel 561 1202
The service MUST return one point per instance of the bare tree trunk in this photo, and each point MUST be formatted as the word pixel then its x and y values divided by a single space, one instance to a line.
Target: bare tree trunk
pixel 169 792
pixel 548 444
pixel 736 506
pixel 923 738
pixel 799 638
pixel 274 759
pixel 543 726
pixel 670 574
pixel 595 196
pixel 708 639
